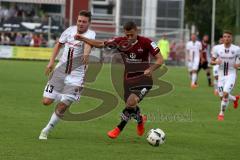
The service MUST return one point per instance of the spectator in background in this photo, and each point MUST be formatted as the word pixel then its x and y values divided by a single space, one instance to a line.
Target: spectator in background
pixel 19 11
pixel 1 13
pixel 19 39
pixel 4 13
pixel 44 19
pixel 5 40
pixel 12 38
pixel 43 41
pixel 36 41
pixel 27 39
pixel 12 11
pixel 163 44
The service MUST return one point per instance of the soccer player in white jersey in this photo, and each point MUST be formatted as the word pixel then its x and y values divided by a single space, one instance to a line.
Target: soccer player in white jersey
pixel 193 48
pixel 225 55
pixel 215 72
pixel 66 82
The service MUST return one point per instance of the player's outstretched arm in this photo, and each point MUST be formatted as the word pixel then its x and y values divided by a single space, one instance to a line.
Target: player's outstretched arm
pixel 87 51
pixel 94 43
pixel 50 65
pixel 158 63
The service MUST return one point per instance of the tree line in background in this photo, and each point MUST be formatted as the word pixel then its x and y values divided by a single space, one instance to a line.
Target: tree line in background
pixel 199 13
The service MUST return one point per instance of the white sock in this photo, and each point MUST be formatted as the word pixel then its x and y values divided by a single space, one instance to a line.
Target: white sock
pixel 194 78
pixel 231 97
pixel 58 98
pixel 224 104
pixel 53 121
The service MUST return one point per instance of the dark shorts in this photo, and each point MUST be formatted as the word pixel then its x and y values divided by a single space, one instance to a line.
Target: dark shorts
pixel 137 84
pixel 203 66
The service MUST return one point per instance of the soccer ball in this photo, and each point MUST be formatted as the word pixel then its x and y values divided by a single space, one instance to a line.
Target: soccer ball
pixel 155 137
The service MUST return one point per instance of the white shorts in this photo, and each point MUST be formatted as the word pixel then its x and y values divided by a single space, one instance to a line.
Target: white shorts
pixel 215 70
pixel 69 93
pixel 193 65
pixel 69 86
pixel 226 84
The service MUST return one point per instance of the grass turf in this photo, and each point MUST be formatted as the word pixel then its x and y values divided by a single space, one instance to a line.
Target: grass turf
pixel 188 117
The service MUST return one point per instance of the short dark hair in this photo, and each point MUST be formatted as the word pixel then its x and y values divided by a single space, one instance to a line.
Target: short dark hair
pixel 227 31
pixel 129 26
pixel 86 14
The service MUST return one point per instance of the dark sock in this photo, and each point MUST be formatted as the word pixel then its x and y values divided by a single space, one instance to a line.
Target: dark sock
pixel 125 117
pixel 137 115
pixel 122 124
pixel 209 79
pixel 127 113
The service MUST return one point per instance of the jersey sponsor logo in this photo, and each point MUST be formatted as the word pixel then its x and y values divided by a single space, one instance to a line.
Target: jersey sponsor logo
pixel 78 44
pixel 132 55
pixel 227 58
pixel 154 45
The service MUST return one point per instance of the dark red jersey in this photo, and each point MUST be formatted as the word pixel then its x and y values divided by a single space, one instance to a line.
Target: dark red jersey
pixel 135 55
pixel 204 50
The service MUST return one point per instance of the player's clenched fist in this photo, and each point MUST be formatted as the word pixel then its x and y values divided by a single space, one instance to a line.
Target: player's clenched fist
pixel 78 37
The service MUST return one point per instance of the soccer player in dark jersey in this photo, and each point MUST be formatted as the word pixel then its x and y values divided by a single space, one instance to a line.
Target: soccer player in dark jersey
pixel 135 51
pixel 203 59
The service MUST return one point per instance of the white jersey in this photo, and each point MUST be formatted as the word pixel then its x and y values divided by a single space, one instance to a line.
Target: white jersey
pixel 73 48
pixel 69 74
pixel 194 49
pixel 228 56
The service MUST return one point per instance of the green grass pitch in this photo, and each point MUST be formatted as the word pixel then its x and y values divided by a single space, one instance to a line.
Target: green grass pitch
pixel 197 137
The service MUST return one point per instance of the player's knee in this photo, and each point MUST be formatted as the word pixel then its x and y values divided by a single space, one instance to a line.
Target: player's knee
pixel 225 95
pixel 58 113
pixel 60 109
pixel 131 102
pixel 47 101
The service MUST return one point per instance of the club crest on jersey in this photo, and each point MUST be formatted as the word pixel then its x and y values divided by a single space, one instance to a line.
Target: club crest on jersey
pixel 132 55
pixel 232 52
pixel 140 49
pixel 226 50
